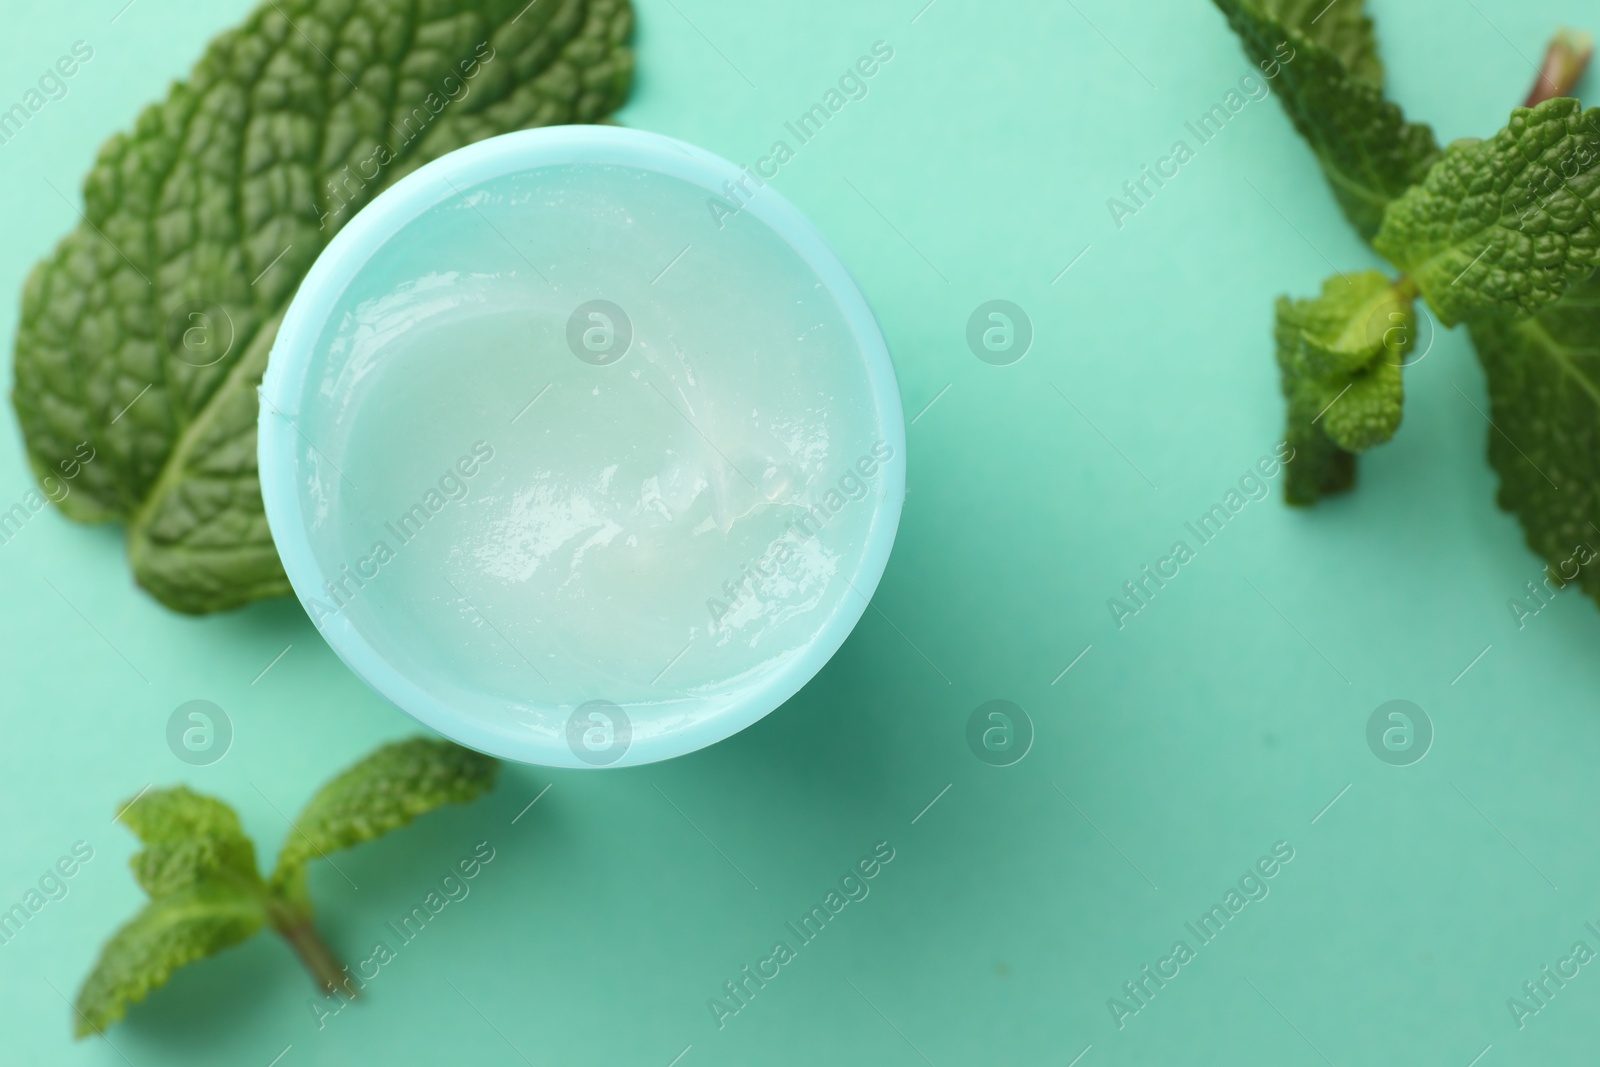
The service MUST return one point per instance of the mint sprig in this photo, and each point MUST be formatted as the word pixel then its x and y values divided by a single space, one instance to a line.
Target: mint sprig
pixel 1339 357
pixel 206 894
pixel 1502 234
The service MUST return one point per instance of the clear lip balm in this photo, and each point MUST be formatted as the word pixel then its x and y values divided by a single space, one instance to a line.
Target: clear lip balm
pixel 582 448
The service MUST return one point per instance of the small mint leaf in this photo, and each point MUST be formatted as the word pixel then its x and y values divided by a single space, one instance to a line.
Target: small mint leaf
pixel 1318 467
pixel 171 931
pixel 1339 357
pixel 1368 412
pixel 383 792
pixel 189 838
pixel 1357 318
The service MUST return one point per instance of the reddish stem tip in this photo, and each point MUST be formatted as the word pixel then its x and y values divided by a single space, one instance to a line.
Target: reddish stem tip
pixel 1564 63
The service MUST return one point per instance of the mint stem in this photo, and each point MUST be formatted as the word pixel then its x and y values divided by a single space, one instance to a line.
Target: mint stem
pixel 1564 63
pixel 297 929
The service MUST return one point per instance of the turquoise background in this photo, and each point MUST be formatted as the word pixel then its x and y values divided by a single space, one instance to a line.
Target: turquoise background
pixel 1221 719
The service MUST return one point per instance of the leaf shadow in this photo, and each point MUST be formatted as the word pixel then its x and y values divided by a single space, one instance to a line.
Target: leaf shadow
pixel 207 1003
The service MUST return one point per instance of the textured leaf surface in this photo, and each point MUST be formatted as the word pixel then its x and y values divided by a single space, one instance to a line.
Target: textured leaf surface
pixel 1367 413
pixel 170 932
pixel 1340 356
pixel 1343 29
pixel 1349 324
pixel 146 331
pixel 1507 224
pixel 1332 89
pixel 189 838
pixel 1319 467
pixel 1544 394
pixel 383 792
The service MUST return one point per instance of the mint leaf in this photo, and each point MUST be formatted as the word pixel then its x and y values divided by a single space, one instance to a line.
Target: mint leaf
pixel 205 891
pixel 189 838
pixel 1506 224
pixel 1330 82
pixel 1339 358
pixel 171 931
pixel 383 792
pixel 1544 394
pixel 1318 467
pixel 1368 412
pixel 1357 318
pixel 287 126
pixel 1343 29
pixel 205 895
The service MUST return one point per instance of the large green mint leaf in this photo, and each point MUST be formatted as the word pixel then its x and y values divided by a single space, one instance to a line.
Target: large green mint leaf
pixel 146 331
pixel 1330 82
pixel 1506 224
pixel 1544 394
pixel 189 838
pixel 171 931
pixel 1339 357
pixel 383 792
